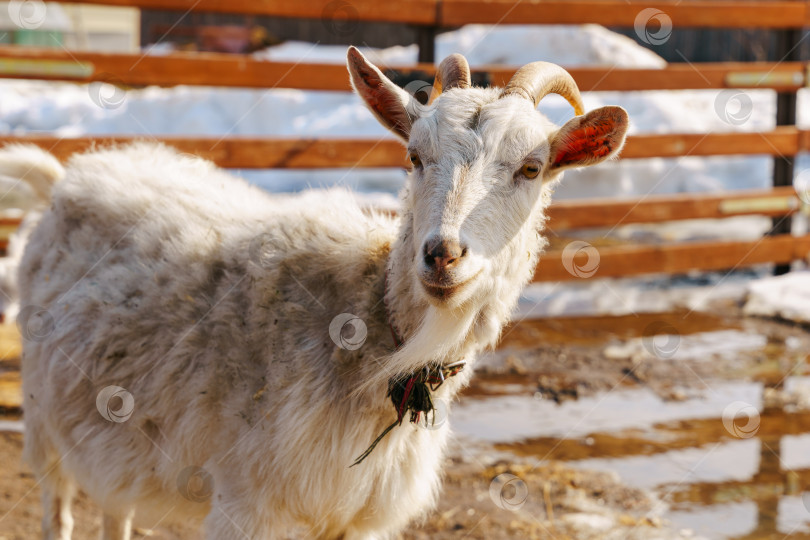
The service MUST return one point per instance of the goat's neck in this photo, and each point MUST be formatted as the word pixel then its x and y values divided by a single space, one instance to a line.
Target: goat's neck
pixel 473 326
pixel 430 334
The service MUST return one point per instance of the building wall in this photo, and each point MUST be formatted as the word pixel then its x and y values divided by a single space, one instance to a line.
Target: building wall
pixel 328 32
pixel 103 28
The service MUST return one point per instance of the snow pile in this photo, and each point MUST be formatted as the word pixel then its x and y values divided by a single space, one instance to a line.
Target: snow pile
pixel 71 110
pixel 628 296
pixel 786 297
pixel 568 45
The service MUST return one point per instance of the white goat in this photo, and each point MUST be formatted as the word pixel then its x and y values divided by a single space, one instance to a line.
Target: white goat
pixel 178 355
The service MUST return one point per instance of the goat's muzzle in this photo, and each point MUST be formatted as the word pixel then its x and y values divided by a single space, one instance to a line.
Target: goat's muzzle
pixel 442 254
pixel 442 258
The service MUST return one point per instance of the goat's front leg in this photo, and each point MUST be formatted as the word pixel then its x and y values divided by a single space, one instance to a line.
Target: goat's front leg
pixel 354 534
pixel 57 496
pixel 117 527
pixel 238 520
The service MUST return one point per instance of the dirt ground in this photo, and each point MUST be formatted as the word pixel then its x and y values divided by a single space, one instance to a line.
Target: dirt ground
pixel 491 493
pixel 569 500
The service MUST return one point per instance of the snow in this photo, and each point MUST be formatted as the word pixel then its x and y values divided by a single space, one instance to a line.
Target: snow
pixel 568 45
pixel 629 296
pixel 71 110
pixel 786 297
pixel 68 110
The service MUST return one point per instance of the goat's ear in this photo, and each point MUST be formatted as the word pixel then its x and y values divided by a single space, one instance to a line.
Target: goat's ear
pixel 393 106
pixel 588 139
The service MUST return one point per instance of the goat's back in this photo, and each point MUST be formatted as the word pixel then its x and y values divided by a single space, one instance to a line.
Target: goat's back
pixel 205 299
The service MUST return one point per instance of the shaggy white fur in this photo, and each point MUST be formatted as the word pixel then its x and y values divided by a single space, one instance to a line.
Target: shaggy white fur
pixel 181 365
pixel 23 166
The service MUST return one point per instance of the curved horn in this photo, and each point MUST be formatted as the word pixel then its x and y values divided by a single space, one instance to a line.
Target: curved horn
pixel 453 72
pixel 537 80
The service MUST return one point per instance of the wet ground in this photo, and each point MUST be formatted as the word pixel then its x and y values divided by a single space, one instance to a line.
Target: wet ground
pixel 706 413
pixel 674 425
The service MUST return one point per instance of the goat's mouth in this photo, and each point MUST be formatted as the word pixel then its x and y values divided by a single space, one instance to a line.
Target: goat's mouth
pixel 441 291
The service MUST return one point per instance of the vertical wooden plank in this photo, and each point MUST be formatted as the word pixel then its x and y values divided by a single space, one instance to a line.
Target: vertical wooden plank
pixel 426 41
pixel 787 49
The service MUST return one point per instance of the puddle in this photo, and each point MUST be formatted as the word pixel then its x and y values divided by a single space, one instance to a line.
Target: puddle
pixel 719 521
pixel 789 514
pixel 714 483
pixel 513 418
pixel 700 346
pixel 721 343
pixel 735 461
pixel 748 478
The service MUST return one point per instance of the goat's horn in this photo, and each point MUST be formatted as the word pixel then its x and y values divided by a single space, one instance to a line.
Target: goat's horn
pixel 453 72
pixel 537 80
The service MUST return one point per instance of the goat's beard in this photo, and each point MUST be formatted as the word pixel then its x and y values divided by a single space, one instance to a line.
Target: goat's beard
pixel 441 336
pixel 441 333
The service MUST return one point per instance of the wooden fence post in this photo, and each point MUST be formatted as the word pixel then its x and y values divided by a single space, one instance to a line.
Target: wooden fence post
pixel 787 50
pixel 426 41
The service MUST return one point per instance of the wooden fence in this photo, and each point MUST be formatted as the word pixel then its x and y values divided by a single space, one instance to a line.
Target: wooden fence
pixel 244 71
pixel 445 13
pixel 230 70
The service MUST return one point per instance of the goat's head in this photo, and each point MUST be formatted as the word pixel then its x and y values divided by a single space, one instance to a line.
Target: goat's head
pixel 484 162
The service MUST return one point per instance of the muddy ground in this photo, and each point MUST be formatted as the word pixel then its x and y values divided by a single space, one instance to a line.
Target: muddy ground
pixel 528 489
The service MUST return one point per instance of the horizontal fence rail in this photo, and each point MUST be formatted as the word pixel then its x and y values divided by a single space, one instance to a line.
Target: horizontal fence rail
pixel 314 153
pixel 596 213
pixel 624 261
pixel 403 11
pixel 244 71
pixel 782 141
pixel 600 213
pixel 687 13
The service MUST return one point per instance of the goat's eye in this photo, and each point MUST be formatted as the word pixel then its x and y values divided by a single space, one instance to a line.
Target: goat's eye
pixel 413 157
pixel 530 169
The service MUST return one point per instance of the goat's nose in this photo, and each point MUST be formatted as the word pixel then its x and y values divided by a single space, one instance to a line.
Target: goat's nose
pixel 441 254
